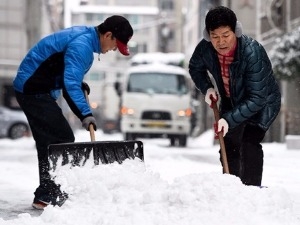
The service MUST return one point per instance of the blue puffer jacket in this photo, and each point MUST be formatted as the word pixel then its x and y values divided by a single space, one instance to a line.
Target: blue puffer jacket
pixel 59 62
pixel 255 94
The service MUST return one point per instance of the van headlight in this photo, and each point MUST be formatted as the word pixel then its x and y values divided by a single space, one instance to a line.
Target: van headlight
pixel 127 111
pixel 184 112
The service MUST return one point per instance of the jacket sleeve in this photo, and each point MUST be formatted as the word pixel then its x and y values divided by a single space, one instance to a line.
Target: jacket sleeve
pixel 78 59
pixel 198 69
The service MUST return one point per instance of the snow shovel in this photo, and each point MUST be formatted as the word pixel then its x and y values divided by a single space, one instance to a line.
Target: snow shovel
pixel 104 152
pixel 221 139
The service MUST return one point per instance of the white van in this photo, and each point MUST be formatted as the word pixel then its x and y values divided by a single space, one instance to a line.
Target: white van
pixel 155 102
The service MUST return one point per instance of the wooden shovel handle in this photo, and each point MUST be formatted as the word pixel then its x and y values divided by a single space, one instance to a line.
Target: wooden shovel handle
pixel 92 132
pixel 91 127
pixel 221 139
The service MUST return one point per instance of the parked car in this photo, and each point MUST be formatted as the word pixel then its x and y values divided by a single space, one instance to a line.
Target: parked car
pixel 13 123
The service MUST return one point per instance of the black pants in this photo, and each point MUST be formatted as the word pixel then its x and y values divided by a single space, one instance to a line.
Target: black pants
pixel 48 126
pixel 244 153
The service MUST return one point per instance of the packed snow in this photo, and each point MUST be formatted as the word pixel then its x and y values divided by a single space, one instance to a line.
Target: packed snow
pixel 178 186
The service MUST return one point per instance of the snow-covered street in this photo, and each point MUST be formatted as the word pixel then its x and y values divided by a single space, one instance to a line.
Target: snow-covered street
pixel 178 186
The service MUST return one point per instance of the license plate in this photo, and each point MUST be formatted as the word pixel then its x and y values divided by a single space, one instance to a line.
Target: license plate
pixel 156 124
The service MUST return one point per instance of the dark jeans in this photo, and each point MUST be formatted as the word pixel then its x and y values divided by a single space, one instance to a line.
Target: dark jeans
pixel 244 153
pixel 48 126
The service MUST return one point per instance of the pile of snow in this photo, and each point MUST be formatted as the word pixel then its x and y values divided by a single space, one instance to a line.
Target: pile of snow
pixel 134 193
pixel 131 194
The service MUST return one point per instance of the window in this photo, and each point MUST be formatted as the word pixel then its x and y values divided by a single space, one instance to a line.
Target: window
pixel 95 76
pixel 157 83
pixel 167 5
pixel 133 19
pixel 94 18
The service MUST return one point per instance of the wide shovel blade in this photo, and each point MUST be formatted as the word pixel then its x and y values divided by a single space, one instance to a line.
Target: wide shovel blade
pixel 101 152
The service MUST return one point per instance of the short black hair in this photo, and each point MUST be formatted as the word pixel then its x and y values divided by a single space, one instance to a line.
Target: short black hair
pixel 220 16
pixel 119 26
pixel 102 29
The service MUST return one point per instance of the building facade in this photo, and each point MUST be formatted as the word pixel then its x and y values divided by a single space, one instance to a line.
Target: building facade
pixel 159 25
pixel 22 23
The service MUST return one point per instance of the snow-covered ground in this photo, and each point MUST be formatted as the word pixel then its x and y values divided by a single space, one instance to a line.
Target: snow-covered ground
pixel 174 186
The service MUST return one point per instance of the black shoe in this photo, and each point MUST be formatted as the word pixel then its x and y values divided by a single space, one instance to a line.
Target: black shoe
pixel 40 205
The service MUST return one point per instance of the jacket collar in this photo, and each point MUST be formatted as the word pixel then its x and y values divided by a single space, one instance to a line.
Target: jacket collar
pixel 96 41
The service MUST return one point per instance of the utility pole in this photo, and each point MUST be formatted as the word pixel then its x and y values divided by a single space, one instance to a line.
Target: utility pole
pixel 55 11
pixel 33 22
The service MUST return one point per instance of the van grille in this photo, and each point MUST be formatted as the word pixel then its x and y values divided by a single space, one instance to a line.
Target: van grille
pixel 156 115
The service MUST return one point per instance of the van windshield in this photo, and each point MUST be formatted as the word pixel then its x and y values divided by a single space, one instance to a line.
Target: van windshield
pixel 157 83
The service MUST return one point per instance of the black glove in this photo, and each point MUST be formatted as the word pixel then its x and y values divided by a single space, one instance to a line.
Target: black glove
pixel 85 87
pixel 87 121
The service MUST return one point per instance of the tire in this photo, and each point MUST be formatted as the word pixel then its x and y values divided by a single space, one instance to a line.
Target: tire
pixel 182 140
pixel 18 130
pixel 172 141
pixel 129 137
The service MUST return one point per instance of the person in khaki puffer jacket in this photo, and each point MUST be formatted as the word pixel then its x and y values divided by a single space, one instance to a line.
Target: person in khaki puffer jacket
pixel 249 95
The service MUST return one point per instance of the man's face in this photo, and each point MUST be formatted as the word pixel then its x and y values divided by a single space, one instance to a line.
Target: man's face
pixel 223 39
pixel 108 43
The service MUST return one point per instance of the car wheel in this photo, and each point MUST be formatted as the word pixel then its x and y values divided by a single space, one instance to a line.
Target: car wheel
pixel 129 136
pixel 18 130
pixel 172 141
pixel 182 140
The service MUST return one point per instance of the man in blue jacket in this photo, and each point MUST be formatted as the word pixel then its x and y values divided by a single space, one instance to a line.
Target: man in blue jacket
pixel 58 63
pixel 249 94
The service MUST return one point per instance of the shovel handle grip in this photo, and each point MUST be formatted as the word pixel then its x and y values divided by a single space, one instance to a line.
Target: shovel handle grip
pixel 216 111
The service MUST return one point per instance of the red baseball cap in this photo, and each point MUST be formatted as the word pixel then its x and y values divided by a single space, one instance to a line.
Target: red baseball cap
pixel 121 30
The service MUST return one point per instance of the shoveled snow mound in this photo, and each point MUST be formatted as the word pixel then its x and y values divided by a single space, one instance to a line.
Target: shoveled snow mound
pixel 131 194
